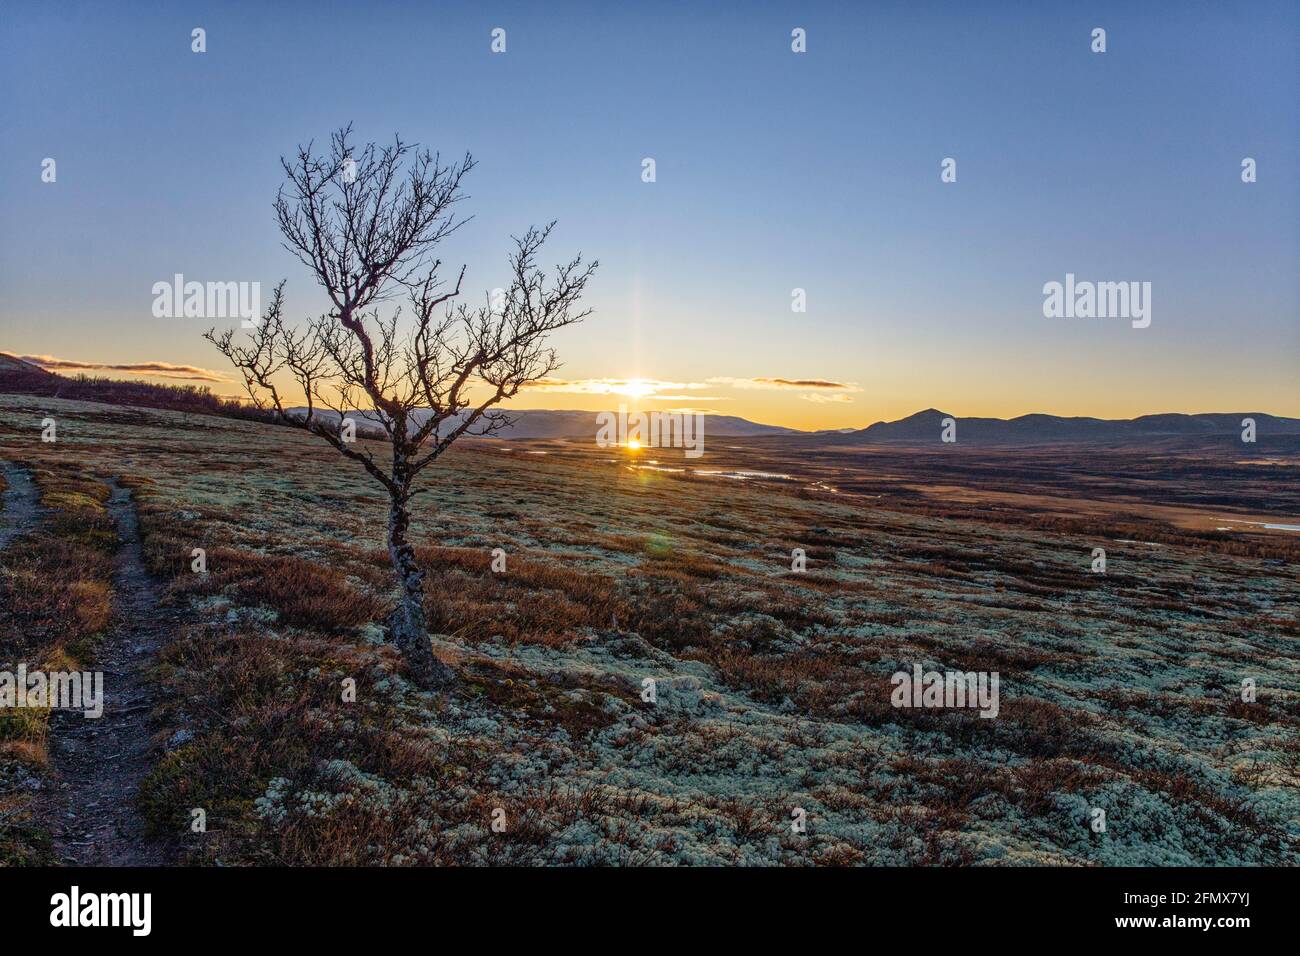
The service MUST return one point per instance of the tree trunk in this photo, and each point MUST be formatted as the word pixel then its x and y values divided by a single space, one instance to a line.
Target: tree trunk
pixel 407 626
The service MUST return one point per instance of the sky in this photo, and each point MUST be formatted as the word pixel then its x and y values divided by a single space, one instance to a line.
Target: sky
pixel 774 171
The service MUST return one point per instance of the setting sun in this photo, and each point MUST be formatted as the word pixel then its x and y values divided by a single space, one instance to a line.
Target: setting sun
pixel 633 444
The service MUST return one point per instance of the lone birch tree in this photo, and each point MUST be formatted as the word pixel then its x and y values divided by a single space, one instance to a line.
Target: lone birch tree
pixel 367 223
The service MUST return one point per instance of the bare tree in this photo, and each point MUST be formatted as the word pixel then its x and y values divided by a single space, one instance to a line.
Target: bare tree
pixel 367 223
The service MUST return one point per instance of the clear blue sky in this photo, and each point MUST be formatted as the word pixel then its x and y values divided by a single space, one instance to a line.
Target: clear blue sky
pixel 775 171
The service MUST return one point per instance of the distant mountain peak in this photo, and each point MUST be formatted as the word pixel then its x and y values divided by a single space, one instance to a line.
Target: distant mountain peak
pixel 12 363
pixel 1038 427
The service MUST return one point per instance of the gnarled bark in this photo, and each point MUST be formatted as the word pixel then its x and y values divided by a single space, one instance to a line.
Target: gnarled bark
pixel 407 625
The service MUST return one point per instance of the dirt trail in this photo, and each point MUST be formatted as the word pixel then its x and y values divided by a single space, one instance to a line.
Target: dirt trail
pixel 21 502
pixel 101 763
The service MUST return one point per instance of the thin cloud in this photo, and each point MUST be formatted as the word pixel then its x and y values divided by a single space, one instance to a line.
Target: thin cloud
pixel 156 369
pixel 764 382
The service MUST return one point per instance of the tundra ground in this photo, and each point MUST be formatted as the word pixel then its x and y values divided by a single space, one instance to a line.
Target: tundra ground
pixel 1119 691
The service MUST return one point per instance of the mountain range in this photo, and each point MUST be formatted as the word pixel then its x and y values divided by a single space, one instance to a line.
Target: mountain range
pixel 924 427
